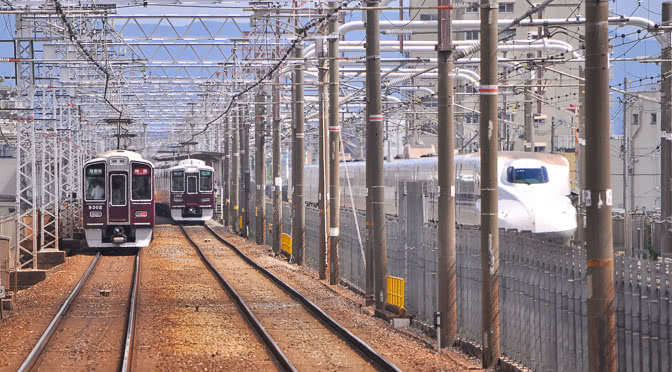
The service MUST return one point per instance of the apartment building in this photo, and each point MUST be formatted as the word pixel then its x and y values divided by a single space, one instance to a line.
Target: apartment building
pixel 545 71
pixel 642 125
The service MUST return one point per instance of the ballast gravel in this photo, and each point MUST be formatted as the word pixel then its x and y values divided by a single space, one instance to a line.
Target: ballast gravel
pixel 407 349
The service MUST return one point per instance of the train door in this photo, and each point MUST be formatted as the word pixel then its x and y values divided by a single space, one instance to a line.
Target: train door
pixel 118 210
pixel 191 198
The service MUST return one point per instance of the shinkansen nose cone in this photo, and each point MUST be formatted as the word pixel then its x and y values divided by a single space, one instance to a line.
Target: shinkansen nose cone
pixel 555 218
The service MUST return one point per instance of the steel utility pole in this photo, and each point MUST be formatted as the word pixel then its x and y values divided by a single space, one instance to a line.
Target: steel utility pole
pixel 235 211
pixel 666 130
pixel 488 142
pixel 599 244
pixel 298 204
pixel 226 175
pixel 323 245
pixel 447 254
pixel 260 167
pixel 277 178
pixel 334 151
pixel 374 160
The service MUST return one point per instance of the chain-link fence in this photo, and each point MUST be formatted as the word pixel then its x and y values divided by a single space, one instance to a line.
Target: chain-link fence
pixel 542 289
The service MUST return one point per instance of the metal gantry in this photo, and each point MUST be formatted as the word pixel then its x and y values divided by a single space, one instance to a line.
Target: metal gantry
pixel 196 81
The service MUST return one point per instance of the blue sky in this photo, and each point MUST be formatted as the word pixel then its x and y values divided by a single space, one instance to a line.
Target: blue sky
pixel 630 46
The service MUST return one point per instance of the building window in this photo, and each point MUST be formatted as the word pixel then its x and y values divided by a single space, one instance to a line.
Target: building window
pixel 654 118
pixel 429 17
pixel 506 7
pixel 472 9
pixel 471 35
pixel 635 119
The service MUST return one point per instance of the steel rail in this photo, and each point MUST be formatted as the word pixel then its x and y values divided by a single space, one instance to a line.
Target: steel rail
pixel 127 358
pixel 355 342
pixel 272 347
pixel 36 352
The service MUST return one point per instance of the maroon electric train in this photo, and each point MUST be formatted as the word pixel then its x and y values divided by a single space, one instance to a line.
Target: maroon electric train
pixel 118 200
pixel 186 191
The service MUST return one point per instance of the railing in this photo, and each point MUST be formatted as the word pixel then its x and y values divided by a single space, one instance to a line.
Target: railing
pixel 8 229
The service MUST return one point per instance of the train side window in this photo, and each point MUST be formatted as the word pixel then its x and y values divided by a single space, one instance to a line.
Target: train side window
pixel 205 181
pixel 141 183
pixel 191 185
pixel 95 182
pixel 118 186
pixel 177 183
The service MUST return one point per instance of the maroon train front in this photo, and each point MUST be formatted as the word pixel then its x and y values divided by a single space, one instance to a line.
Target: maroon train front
pixel 118 205
pixel 186 191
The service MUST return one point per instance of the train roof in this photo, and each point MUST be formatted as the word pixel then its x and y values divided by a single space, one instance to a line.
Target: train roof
pixel 518 155
pixel 551 159
pixel 130 155
pixel 192 163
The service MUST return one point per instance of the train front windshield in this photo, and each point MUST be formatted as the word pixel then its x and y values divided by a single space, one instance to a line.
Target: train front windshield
pixel 177 181
pixel 95 182
pixel 206 181
pixel 527 175
pixel 141 183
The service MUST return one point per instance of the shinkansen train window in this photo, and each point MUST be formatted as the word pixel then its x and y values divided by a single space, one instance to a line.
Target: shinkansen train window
pixel 177 181
pixel 527 175
pixel 206 181
pixel 141 183
pixel 95 182
pixel 118 187
pixel 191 185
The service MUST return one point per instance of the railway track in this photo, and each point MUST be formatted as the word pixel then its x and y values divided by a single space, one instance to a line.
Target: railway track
pixel 297 333
pixel 95 324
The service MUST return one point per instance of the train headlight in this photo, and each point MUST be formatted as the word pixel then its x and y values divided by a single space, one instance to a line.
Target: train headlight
pixel 95 214
pixel 141 214
pixel 205 200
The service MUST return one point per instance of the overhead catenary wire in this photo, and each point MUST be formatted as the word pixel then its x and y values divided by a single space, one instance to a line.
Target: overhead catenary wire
pixel 302 34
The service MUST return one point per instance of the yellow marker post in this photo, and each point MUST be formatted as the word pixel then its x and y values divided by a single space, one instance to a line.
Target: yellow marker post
pixel 395 291
pixel 286 243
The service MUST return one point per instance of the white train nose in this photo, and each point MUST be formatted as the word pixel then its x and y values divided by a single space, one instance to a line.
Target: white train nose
pixel 554 215
pixel 514 216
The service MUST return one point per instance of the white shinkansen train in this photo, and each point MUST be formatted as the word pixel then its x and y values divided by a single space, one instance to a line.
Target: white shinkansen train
pixel 533 190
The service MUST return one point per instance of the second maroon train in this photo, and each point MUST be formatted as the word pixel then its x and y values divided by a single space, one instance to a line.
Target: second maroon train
pixel 123 191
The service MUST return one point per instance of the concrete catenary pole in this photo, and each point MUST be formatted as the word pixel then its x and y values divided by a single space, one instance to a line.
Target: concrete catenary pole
pixel 277 178
pixel 299 155
pixel 247 173
pixel 374 160
pixel 627 230
pixel 334 151
pixel 235 172
pixel 447 253
pixel 244 167
pixel 488 142
pixel 260 167
pixel 528 143
pixel 599 243
pixel 581 160
pixel 666 130
pixel 323 167
pixel 226 177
